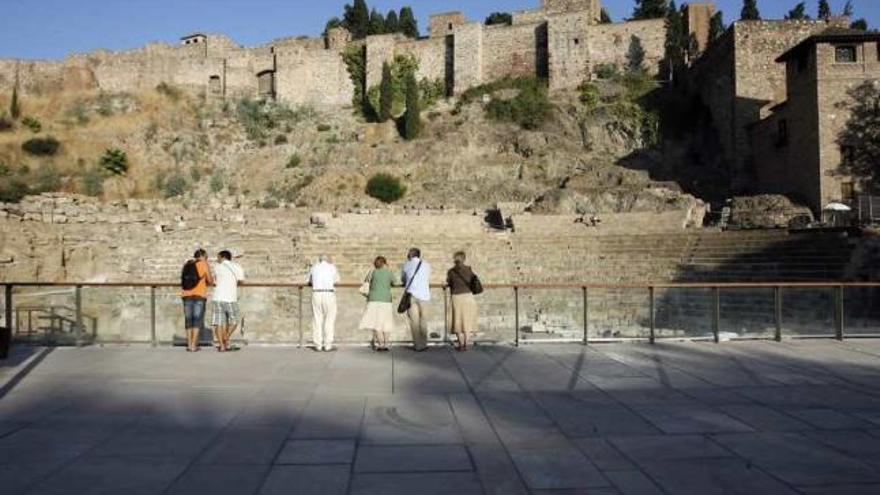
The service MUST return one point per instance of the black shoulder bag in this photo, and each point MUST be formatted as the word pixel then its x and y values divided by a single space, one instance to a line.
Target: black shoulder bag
pixel 406 298
pixel 475 286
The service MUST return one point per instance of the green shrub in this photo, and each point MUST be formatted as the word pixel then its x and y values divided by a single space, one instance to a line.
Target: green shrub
pixel 46 146
pixel 168 91
pixel 324 127
pixel 13 191
pixel 174 185
pixel 607 71
pixel 79 113
pixel 259 117
pixel 115 161
pixel 15 105
pixel 280 139
pixel 589 95
pixel 294 161
pixel 6 123
pixel 430 92
pixel 47 178
pixel 385 187
pixel 218 182
pixel 269 204
pixel 33 124
pixel 530 108
pixel 92 182
pixel 195 173
pixel 5 170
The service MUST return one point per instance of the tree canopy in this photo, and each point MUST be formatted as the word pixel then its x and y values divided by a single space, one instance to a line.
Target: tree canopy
pixel 750 11
pixel 860 139
pixel 650 9
pixel 361 21
pixel 499 18
pixel 798 13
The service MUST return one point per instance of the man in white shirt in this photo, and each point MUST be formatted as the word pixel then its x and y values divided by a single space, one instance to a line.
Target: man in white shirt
pixel 416 276
pixel 323 278
pixel 227 276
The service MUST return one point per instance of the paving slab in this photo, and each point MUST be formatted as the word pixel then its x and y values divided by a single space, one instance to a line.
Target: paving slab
pixel 219 480
pixel 633 483
pixel 93 475
pixel 690 419
pixel 244 446
pixel 669 447
pixel 306 480
pixel 421 483
pixel 557 469
pixel 604 455
pixel 403 459
pixel 338 451
pixel 714 476
pixel 763 418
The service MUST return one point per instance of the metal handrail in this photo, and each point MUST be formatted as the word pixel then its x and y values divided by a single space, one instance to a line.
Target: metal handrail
pixel 350 285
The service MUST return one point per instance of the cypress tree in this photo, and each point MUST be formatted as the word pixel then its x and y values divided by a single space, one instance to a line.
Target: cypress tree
pixel 377 23
pixel 848 8
pixel 15 107
pixel 798 13
pixel 604 16
pixel 357 19
pixel 650 9
pixel 496 18
pixel 716 26
pixel 412 118
pixel 635 57
pixel 392 25
pixel 408 24
pixel 675 40
pixel 860 24
pixel 750 11
pixel 386 93
pixel 824 10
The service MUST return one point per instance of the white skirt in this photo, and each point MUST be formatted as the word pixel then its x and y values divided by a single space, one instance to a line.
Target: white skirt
pixel 379 317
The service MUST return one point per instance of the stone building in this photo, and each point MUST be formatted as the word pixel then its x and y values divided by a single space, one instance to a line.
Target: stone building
pixel 562 41
pixel 796 150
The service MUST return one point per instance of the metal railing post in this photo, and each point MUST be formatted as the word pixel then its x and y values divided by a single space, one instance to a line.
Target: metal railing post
pixel 153 339
pixel 653 337
pixel 9 308
pixel 300 323
pixel 777 312
pixel 586 317
pixel 839 320
pixel 516 315
pixel 79 316
pixel 445 316
pixel 716 314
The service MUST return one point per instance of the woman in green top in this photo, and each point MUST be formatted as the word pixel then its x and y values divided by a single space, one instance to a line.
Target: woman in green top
pixel 379 315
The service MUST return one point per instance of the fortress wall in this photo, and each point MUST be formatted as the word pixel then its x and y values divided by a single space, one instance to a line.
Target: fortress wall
pixel 576 47
pixel 380 49
pixel 310 76
pixel 512 51
pixel 431 54
pixel 468 56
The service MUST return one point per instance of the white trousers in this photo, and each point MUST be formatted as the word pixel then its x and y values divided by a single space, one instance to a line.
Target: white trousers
pixel 324 326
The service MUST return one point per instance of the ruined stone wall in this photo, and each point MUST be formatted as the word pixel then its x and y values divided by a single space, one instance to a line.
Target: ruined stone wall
pixel 441 25
pixel 713 80
pixel 698 18
pixel 430 53
pixel 468 56
pixel 312 77
pixel 577 48
pixel 513 51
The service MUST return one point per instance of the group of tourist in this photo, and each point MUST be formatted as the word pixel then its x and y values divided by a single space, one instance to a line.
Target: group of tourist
pixel 225 276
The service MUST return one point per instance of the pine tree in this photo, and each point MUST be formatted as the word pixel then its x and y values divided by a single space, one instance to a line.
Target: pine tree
pixel 848 8
pixel 824 10
pixel 408 24
pixel 412 117
pixel 650 9
pixel 386 93
pixel 604 16
pixel 392 25
pixel 15 106
pixel 675 40
pixel 334 22
pixel 357 19
pixel 377 23
pixel 750 11
pixel 635 57
pixel 716 26
pixel 499 18
pixel 798 13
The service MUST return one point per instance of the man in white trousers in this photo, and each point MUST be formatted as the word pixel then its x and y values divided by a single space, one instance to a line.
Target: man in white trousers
pixel 323 278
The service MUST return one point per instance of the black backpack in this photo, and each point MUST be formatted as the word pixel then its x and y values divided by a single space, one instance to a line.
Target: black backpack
pixel 189 276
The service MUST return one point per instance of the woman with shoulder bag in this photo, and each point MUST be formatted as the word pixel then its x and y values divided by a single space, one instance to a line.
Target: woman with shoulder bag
pixel 379 315
pixel 463 284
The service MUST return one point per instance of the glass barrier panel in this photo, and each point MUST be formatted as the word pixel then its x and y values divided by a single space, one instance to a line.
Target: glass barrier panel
pixel 495 316
pixel 169 318
pixel 683 313
pixel 116 315
pixel 808 312
pixel 270 315
pixel 619 314
pixel 44 315
pixel 747 314
pixel 550 314
pixel 861 311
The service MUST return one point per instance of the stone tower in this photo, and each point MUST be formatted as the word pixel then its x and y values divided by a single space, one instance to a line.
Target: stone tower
pixel 594 7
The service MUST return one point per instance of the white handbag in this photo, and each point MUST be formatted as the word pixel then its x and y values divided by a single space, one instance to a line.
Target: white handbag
pixel 364 289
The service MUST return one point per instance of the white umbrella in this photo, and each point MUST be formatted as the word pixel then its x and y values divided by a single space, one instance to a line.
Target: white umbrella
pixel 835 206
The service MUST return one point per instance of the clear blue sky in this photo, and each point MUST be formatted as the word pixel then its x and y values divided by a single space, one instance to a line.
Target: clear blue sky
pixel 55 28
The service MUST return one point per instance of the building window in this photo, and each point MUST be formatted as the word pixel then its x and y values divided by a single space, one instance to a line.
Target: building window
pixel 845 54
pixel 782 133
pixel 214 85
pixel 577 41
pixel 803 62
pixel 847 191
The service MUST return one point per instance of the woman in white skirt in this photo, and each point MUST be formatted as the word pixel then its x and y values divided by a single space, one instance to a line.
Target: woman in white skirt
pixel 379 315
pixel 459 278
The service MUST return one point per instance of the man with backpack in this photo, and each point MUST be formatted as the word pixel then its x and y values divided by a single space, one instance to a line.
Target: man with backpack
pixel 227 275
pixel 194 281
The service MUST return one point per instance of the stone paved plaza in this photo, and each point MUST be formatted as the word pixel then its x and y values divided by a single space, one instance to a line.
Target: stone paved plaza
pixel 748 417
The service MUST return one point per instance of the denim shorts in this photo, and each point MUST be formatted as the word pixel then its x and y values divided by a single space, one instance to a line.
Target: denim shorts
pixel 194 312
